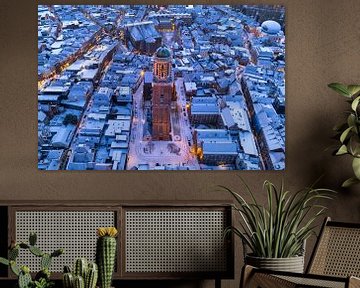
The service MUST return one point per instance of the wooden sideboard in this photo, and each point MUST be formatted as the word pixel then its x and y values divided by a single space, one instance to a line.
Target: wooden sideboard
pixel 157 240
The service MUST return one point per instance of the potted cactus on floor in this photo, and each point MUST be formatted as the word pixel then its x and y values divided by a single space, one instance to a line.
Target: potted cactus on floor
pixel 42 278
pixel 106 254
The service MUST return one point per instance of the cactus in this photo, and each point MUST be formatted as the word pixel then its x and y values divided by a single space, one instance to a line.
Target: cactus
pixel 43 274
pixel 36 251
pixel 91 276
pixel 90 272
pixel 79 282
pixel 14 268
pixel 25 269
pixel 80 267
pixel 57 252
pixel 45 261
pixel 42 278
pixel 24 245
pixel 32 239
pixel 24 280
pixel 68 280
pixel 105 254
pixel 13 253
pixel 67 269
pixel 4 261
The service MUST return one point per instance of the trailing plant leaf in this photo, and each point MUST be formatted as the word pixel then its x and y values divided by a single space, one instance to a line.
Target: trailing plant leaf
pixel 350 131
pixel 351 120
pixel 355 103
pixel 340 88
pixel 342 150
pixel 341 127
pixel 353 90
pixel 354 145
pixel 356 167
pixel 345 134
pixel 349 182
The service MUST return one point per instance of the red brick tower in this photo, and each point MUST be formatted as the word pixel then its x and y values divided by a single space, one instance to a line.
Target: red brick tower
pixel 162 94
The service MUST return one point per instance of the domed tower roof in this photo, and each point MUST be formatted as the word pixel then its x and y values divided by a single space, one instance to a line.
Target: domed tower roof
pixel 271 27
pixel 163 52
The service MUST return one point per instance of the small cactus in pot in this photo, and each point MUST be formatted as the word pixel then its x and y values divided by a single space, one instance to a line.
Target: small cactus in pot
pixel 106 254
pixel 85 275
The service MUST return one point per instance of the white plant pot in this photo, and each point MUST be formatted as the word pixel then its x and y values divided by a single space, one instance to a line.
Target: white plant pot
pixel 291 264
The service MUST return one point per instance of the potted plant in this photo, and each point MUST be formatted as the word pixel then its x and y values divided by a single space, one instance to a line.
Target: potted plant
pixel 42 278
pixel 348 132
pixel 276 233
pixel 84 274
pixel 87 274
pixel 106 254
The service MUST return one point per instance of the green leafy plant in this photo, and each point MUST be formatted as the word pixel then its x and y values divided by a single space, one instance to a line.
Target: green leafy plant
pixel 280 229
pixel 348 132
pixel 42 278
pixel 43 283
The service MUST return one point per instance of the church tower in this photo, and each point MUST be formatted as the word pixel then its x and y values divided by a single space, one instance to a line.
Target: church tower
pixel 162 95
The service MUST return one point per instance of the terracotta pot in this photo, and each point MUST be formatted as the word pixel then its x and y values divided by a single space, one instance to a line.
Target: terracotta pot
pixel 291 264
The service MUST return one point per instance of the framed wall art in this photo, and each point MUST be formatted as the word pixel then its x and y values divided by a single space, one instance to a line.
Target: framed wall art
pixel 149 87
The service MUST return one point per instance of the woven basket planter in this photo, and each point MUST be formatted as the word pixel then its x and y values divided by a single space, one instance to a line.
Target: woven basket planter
pixel 291 264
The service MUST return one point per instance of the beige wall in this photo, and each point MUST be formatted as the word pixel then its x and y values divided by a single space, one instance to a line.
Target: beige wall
pixel 323 46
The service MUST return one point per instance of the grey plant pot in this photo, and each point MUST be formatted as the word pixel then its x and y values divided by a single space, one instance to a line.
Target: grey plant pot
pixel 291 264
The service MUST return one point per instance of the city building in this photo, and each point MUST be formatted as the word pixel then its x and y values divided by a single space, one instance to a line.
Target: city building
pixel 162 94
pixel 143 36
pixel 205 110
pixel 148 82
pixel 123 94
pixel 262 13
pixel 216 145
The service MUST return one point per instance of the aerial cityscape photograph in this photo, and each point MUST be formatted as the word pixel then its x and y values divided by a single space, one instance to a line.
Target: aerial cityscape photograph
pixel 171 87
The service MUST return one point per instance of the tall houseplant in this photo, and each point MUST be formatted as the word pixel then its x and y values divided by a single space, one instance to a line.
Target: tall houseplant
pixel 275 234
pixel 348 132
